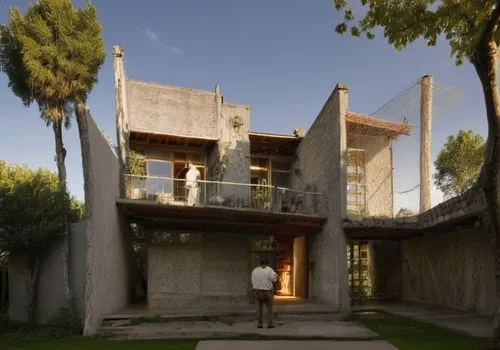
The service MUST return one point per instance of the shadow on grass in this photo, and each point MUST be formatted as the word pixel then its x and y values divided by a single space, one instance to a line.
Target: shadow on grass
pixel 409 334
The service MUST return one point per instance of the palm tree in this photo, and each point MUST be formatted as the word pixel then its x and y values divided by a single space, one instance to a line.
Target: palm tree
pixel 52 55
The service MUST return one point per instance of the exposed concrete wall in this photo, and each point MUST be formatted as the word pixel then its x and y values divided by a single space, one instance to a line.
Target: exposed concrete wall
pixel 235 143
pixel 321 160
pixel 50 295
pixel 379 175
pixel 455 270
pixel 122 116
pixel 171 110
pixel 107 275
pixel 50 290
pixel 78 257
pixel 213 273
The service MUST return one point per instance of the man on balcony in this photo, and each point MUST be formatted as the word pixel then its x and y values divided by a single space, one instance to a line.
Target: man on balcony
pixel 192 177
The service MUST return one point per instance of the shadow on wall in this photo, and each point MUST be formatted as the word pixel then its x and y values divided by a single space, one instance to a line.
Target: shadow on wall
pixel 51 279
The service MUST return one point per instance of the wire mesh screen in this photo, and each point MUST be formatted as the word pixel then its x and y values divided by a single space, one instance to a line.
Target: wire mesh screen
pixel 383 152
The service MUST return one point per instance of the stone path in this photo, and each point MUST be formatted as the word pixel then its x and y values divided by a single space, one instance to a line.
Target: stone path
pixel 455 320
pixel 297 326
pixel 293 345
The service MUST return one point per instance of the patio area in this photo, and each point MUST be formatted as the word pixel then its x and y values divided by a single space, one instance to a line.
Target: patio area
pixel 282 305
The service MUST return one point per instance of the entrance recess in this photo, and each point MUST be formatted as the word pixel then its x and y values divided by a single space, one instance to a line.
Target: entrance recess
pixel 288 257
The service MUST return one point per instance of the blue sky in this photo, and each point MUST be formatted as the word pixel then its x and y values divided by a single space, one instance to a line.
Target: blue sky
pixel 282 57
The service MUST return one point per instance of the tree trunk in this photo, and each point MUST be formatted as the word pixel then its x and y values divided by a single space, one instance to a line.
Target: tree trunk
pixel 60 153
pixel 486 67
pixel 31 290
pixel 61 170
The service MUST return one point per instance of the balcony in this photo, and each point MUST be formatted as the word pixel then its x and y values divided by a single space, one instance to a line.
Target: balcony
pixel 265 198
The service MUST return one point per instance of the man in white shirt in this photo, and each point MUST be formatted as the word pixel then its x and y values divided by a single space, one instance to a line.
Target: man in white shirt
pixel 263 278
pixel 192 177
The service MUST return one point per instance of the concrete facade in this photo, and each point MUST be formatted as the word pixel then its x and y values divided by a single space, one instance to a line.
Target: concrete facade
pixel 209 272
pixel 454 270
pixel 378 169
pixel 108 283
pixel 321 156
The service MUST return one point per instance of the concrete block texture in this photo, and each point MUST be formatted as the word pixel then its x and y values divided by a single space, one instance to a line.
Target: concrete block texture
pixel 107 266
pixel 171 110
pixel 214 273
pixel 321 166
pixel 378 172
pixel 454 270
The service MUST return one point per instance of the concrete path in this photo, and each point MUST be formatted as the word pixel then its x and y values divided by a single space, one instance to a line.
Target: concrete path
pixel 293 345
pixel 300 327
pixel 455 320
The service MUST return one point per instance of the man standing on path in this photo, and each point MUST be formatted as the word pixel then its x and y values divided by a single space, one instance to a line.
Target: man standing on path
pixel 263 278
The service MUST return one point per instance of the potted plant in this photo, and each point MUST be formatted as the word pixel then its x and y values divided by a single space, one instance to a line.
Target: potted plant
pixel 136 171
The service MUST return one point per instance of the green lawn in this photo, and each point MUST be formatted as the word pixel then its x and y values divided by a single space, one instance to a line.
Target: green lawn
pixel 407 334
pixel 101 344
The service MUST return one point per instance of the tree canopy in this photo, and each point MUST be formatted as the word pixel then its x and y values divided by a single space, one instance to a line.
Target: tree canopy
pixel 52 54
pixel 459 163
pixel 461 22
pixel 32 210
pixel 404 212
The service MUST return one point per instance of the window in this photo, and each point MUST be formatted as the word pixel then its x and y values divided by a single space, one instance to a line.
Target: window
pixel 159 176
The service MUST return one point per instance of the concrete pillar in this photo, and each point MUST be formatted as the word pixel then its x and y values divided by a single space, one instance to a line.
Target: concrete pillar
pixel 122 121
pixel 425 142
pixel 300 267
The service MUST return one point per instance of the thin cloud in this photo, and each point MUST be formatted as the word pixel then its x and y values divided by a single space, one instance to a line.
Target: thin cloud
pixel 153 37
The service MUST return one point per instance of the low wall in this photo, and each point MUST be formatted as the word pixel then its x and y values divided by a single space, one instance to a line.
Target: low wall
pixel 455 270
pixel 51 280
pixel 203 271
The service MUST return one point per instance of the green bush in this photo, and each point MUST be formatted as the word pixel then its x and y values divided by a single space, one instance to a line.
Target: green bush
pixel 67 322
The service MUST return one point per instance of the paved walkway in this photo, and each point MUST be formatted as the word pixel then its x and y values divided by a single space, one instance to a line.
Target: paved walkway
pixel 287 326
pixel 293 345
pixel 465 322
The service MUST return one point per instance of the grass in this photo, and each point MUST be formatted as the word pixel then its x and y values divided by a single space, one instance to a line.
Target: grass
pixel 403 333
pixel 103 344
pixel 408 334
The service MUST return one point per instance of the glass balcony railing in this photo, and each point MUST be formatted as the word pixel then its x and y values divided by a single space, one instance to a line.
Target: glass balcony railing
pixel 170 191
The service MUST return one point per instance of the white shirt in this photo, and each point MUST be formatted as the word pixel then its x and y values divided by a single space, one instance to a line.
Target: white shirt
pixel 263 278
pixel 192 176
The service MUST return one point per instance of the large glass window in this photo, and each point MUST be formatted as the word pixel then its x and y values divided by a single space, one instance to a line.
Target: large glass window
pixel 159 176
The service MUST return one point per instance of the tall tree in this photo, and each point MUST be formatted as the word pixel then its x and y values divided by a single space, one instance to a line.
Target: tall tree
pixel 52 55
pixel 471 28
pixel 33 215
pixel 459 163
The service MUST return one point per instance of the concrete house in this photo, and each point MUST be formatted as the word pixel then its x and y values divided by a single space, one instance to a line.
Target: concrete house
pixel 259 193
pixel 144 250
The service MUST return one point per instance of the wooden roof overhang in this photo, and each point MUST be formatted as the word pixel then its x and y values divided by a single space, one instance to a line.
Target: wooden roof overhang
pixel 357 123
pixel 151 138
pixel 402 228
pixel 219 219
pixel 273 144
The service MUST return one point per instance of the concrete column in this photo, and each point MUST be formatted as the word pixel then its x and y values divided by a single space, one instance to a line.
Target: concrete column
pixel 340 248
pixel 425 142
pixel 122 121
